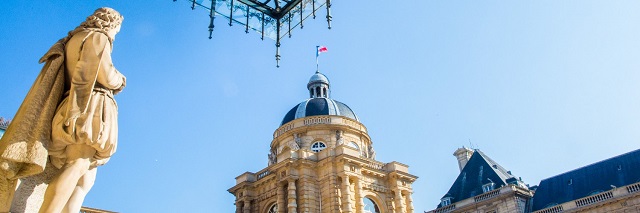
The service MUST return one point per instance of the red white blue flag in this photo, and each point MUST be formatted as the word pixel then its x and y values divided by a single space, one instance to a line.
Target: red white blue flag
pixel 321 49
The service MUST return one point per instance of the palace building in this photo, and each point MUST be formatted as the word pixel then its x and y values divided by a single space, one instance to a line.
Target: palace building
pixel 323 160
pixel 611 185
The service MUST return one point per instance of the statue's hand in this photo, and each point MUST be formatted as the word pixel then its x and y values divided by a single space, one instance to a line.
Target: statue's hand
pixel 71 122
pixel 124 83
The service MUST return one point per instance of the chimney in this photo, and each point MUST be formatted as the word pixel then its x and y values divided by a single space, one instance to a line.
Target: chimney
pixel 463 155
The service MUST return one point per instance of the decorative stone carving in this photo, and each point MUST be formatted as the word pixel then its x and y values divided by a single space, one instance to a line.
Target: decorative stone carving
pixel 339 140
pixel 273 157
pixel 75 86
pixel 295 144
pixel 372 153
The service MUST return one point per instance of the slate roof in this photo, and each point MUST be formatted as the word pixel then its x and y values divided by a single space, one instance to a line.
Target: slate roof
pixel 598 177
pixel 479 170
pixel 319 106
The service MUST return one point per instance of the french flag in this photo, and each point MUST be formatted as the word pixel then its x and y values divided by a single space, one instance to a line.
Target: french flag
pixel 321 49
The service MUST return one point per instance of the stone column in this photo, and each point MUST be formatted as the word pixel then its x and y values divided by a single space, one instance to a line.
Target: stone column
pixel 247 206
pixel 359 197
pixel 304 195
pixel 291 197
pixel 346 195
pixel 408 201
pixel 334 199
pixel 398 199
pixel 238 207
pixel 280 199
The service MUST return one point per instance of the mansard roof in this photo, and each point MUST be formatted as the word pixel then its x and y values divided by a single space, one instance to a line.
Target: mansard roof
pixel 479 170
pixel 592 179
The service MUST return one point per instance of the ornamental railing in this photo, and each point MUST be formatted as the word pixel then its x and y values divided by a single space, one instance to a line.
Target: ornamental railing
pixel 555 209
pixel 263 174
pixel 445 209
pixel 317 120
pixel 375 165
pixel 472 201
pixel 633 188
pixel 593 199
pixel 487 195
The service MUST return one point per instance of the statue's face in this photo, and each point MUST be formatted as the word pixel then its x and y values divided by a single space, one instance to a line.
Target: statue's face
pixel 114 31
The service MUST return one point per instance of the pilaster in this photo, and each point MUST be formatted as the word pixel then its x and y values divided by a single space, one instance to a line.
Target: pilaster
pixel 291 197
pixel 408 201
pixel 359 201
pixel 247 206
pixel 347 205
pixel 280 199
pixel 398 199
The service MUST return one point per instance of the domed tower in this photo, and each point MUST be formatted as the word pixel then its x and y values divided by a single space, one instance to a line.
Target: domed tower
pixel 322 160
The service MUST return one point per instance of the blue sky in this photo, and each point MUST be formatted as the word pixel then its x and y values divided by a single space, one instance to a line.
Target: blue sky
pixel 542 87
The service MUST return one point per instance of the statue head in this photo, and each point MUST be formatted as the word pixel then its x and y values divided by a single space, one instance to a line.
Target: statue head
pixel 106 20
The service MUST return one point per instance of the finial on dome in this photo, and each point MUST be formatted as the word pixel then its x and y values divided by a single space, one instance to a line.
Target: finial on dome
pixel 318 86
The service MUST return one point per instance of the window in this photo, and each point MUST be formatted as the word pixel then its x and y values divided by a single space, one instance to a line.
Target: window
pixel 318 146
pixel 445 201
pixel 370 206
pixel 487 187
pixel 273 208
pixel 354 145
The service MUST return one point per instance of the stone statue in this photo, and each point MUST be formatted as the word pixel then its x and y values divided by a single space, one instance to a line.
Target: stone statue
pixel 296 143
pixel 69 114
pixel 273 157
pixel 372 153
pixel 339 140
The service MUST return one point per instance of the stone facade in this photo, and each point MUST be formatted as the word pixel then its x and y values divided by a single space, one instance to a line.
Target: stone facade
pixel 561 193
pixel 324 163
pixel 618 200
pixel 509 198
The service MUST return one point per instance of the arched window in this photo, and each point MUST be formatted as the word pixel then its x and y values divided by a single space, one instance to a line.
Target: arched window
pixel 318 146
pixel 354 145
pixel 273 208
pixel 370 206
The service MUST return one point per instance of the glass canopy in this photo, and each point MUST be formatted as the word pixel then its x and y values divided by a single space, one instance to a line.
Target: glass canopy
pixel 272 19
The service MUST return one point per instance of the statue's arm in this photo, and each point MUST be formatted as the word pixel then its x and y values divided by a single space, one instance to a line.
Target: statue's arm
pixel 108 75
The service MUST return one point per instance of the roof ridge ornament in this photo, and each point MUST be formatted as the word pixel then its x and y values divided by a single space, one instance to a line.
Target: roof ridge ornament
pixel 271 18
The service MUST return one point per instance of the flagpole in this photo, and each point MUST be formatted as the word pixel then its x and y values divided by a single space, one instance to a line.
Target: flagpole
pixel 317 53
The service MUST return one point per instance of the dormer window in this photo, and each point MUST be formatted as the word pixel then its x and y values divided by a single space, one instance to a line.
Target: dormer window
pixel 445 201
pixel 487 187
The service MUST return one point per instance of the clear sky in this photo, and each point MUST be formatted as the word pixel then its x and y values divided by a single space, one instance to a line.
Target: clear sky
pixel 542 87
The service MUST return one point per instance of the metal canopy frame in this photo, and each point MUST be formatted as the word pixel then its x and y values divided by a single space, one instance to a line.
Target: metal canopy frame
pixel 271 18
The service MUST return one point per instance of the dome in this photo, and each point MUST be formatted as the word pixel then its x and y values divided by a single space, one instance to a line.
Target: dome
pixel 319 102
pixel 319 106
pixel 318 78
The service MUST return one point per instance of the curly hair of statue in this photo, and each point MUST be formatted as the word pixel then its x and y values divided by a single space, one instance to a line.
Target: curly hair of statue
pixel 102 20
